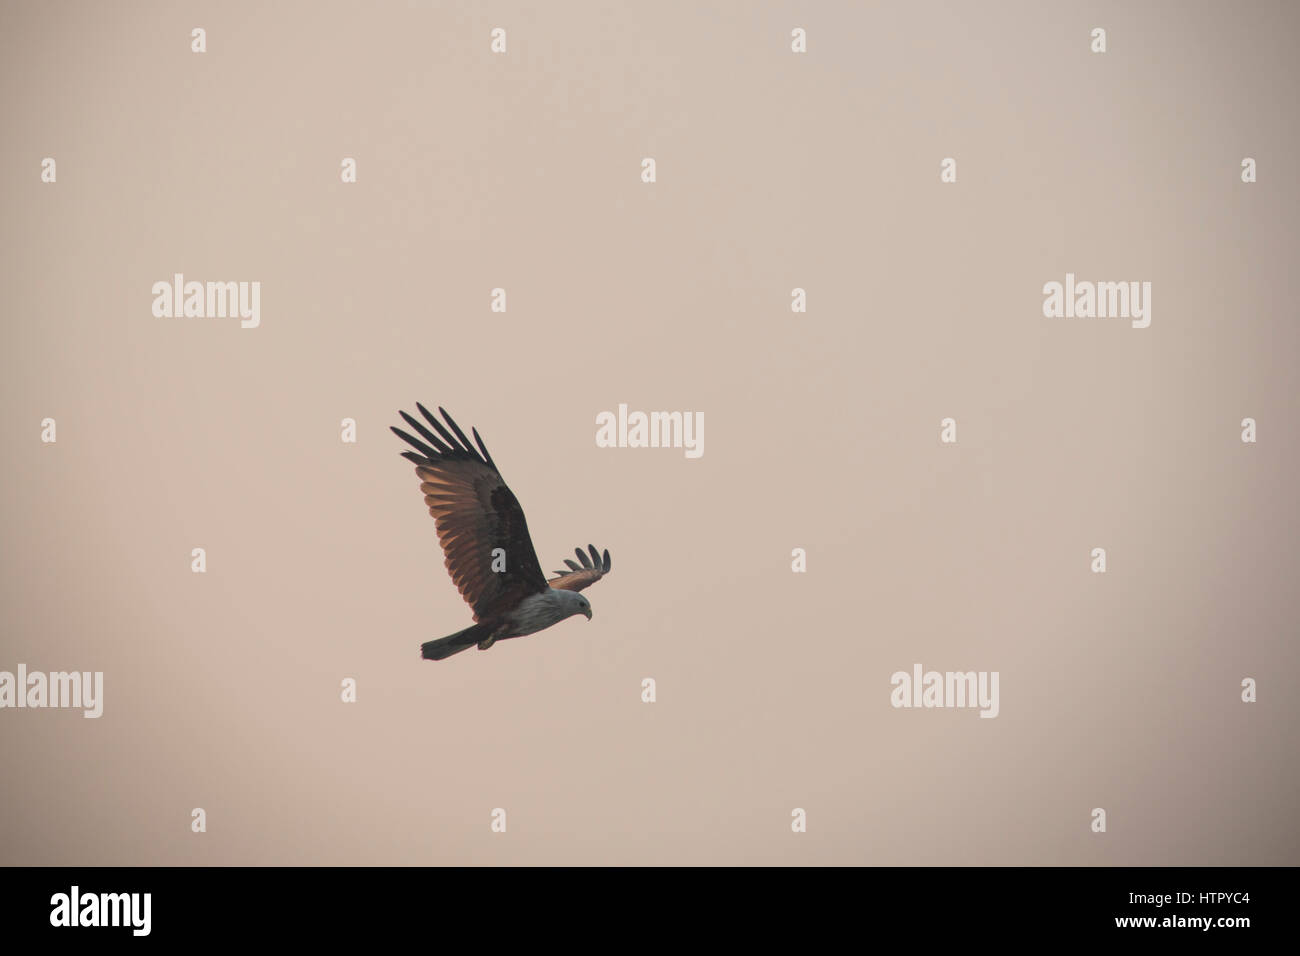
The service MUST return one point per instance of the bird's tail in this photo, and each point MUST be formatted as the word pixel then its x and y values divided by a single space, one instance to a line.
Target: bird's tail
pixel 444 647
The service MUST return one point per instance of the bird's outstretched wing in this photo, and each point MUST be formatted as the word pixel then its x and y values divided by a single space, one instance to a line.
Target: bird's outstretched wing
pixel 582 575
pixel 475 514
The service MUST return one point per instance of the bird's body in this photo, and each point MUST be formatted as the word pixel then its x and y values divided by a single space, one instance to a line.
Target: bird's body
pixel 489 554
pixel 537 612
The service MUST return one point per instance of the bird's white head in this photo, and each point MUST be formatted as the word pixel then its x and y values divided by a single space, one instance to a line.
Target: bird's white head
pixel 574 603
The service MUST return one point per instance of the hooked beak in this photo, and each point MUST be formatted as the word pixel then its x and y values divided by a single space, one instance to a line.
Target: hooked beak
pixel 588 613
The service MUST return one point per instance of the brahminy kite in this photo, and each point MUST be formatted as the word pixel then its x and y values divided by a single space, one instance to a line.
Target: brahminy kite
pixel 483 534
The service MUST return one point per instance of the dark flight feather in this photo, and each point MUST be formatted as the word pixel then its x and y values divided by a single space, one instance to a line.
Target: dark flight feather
pixel 583 575
pixel 475 513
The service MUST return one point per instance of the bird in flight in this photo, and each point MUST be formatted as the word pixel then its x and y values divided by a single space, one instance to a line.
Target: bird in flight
pixel 483 534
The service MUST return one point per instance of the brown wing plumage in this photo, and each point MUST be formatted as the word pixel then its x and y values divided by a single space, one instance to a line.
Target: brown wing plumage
pixel 579 576
pixel 474 513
